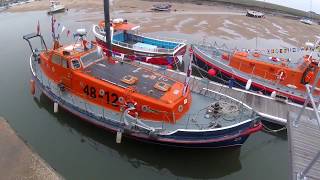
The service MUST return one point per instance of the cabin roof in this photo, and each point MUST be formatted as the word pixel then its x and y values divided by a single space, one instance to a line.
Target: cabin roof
pixel 125 26
pixel 115 72
pixel 74 51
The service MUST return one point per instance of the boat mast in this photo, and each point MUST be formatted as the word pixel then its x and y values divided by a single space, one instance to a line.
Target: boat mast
pixel 107 27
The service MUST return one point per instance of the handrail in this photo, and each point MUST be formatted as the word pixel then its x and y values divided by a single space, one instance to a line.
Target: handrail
pixel 301 175
pixel 161 38
pixel 159 50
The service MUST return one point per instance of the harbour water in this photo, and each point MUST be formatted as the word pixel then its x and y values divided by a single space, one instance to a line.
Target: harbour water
pixel 78 150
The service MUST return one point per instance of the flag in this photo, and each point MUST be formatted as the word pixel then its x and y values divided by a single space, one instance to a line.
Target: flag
pixel 38 28
pixel 63 28
pixel 188 76
pixel 68 33
pixel 294 49
pixel 52 27
pixel 58 27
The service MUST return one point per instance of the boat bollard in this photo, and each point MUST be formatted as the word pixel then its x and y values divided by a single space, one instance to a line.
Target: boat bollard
pixel 119 137
pixel 248 85
pixel 55 107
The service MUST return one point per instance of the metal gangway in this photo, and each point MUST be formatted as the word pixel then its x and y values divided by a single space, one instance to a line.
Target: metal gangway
pixel 304 140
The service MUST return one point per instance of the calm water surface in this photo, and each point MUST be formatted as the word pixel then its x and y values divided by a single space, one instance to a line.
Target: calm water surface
pixel 78 150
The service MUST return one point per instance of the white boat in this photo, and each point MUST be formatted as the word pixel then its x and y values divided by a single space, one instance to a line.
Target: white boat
pixel 306 21
pixel 56 6
pixel 256 14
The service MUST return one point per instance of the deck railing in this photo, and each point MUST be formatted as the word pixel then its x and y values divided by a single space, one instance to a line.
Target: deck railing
pixel 157 50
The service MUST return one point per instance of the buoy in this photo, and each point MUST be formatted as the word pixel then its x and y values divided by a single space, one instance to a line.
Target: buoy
pixel 55 107
pixel 169 67
pixel 119 137
pixel 212 72
pixel 32 87
pixel 248 85
pixel 273 94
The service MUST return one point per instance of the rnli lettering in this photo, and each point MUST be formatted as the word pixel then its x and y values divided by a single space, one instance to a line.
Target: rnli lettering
pixel 112 98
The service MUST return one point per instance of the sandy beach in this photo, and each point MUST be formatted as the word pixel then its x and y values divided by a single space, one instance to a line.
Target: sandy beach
pixel 208 18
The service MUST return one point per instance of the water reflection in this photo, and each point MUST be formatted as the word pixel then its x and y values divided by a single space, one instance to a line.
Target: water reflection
pixel 188 163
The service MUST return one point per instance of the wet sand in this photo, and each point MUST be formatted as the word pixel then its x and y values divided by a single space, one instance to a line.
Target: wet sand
pixel 18 161
pixel 211 19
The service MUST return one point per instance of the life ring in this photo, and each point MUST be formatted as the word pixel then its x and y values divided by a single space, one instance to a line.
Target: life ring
pixel 256 54
pixel 135 111
pixel 281 74
pixel 308 77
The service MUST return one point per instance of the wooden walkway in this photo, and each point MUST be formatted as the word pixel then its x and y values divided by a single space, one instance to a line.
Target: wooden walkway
pixel 304 144
pixel 266 106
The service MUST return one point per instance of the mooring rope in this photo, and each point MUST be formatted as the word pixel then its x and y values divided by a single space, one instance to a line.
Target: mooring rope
pixel 269 130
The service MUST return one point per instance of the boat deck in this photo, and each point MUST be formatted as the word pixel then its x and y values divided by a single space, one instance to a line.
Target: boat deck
pixel 233 113
pixel 115 72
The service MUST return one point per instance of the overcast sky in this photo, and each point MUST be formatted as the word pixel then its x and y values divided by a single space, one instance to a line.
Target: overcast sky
pixel 298 4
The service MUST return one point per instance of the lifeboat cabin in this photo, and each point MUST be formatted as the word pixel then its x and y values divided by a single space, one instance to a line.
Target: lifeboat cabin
pixel 278 70
pixel 81 69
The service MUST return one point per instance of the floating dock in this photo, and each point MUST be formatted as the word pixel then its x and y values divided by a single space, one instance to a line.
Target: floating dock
pixel 269 108
pixel 304 145
pixel 18 161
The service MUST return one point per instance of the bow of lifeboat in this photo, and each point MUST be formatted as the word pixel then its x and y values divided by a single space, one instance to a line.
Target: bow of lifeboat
pixel 115 85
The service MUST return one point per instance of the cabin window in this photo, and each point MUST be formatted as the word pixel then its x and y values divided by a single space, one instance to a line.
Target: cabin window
pixel 56 59
pixel 75 64
pixel 90 58
pixel 64 63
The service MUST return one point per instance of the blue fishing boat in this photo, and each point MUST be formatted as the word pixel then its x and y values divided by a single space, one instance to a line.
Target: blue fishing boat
pixel 127 40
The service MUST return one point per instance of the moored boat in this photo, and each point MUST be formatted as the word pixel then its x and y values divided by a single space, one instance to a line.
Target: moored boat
pixel 126 40
pixel 55 7
pixel 161 7
pixel 306 21
pixel 255 14
pixel 277 77
pixel 136 102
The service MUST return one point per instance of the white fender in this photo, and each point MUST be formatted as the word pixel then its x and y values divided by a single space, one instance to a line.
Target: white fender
pixel 273 94
pixel 248 85
pixel 119 137
pixel 55 107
